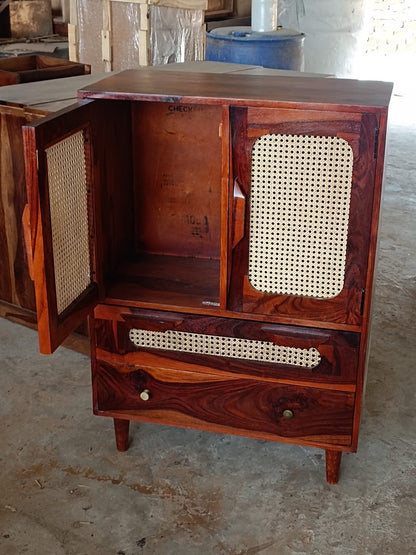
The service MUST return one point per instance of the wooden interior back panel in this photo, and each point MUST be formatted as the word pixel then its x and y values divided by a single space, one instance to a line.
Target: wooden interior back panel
pixel 178 162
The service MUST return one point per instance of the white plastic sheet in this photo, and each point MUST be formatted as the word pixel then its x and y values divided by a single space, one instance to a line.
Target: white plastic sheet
pixel 290 12
pixel 176 35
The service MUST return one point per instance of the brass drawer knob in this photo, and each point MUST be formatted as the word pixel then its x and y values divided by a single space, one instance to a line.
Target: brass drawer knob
pixel 145 395
pixel 288 414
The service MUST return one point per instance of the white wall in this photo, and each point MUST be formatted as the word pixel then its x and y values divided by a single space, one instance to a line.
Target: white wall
pixel 336 32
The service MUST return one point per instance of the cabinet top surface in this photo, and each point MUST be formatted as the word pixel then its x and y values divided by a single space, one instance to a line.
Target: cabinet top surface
pixel 237 89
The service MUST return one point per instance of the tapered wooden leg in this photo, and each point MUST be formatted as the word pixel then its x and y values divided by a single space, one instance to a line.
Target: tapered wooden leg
pixel 333 461
pixel 121 428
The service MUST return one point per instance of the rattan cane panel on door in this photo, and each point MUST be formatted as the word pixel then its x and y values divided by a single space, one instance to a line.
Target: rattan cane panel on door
pixel 69 218
pixel 222 346
pixel 299 213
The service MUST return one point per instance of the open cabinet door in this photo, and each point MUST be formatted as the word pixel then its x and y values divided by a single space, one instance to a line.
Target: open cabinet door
pixel 59 221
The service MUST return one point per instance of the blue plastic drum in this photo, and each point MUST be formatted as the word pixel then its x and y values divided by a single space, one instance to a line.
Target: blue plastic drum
pixel 280 49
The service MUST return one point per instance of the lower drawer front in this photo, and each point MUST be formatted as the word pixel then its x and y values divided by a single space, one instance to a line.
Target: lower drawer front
pixel 242 406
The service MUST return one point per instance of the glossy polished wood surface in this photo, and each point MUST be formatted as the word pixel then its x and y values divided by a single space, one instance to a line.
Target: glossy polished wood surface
pixel 359 131
pixel 150 84
pixel 338 350
pixel 169 171
pixel 16 287
pixel 310 415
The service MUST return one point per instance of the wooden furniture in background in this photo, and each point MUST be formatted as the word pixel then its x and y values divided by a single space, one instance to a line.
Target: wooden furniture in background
pixel 221 230
pixel 25 69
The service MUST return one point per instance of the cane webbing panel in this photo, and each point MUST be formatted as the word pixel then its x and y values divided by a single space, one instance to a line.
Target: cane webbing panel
pixel 299 212
pixel 221 346
pixel 69 218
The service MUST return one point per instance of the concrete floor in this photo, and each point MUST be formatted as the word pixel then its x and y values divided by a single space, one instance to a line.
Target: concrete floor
pixel 64 489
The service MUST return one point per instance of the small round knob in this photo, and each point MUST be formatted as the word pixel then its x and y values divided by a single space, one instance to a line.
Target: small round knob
pixel 288 414
pixel 145 395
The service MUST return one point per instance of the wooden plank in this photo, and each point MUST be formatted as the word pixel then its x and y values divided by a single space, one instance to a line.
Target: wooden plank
pixel 144 17
pixel 143 47
pixel 73 35
pixel 44 93
pixel 106 39
pixel 180 4
pixel 73 42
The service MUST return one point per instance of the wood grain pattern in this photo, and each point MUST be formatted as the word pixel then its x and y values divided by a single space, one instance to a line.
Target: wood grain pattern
pixel 367 315
pixel 172 280
pixel 170 250
pixel 318 415
pixel 17 293
pixel 16 286
pixel 359 131
pixel 121 429
pixel 37 137
pixel 339 351
pixel 263 91
pixel 177 153
pixel 333 462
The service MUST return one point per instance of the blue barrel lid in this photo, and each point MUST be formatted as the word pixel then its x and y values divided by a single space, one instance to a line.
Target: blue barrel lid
pixel 246 34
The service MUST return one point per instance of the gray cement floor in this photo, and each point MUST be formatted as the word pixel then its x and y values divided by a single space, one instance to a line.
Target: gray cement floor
pixel 64 489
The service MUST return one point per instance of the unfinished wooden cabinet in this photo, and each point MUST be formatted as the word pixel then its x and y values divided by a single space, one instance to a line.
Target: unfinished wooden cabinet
pixel 221 230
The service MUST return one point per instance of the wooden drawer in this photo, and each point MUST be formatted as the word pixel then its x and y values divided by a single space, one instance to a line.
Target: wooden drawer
pixel 210 344
pixel 239 406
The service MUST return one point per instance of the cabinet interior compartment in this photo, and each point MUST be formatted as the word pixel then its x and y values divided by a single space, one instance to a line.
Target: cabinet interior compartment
pixel 168 241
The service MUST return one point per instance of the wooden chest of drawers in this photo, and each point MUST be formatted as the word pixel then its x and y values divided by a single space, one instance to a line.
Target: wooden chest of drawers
pixel 221 232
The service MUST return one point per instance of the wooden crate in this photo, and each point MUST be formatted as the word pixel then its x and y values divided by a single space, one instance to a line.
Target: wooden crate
pixel 116 34
pixel 25 69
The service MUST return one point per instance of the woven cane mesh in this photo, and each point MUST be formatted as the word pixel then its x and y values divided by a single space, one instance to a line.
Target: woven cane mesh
pixel 299 211
pixel 69 218
pixel 220 346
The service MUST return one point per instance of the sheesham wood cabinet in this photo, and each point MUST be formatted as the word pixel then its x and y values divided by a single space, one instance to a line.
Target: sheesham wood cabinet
pixel 221 232
pixel 21 104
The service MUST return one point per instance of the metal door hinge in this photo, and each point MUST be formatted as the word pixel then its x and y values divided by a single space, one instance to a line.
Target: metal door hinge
pixel 37 159
pixel 377 133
